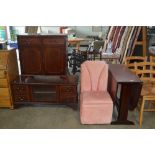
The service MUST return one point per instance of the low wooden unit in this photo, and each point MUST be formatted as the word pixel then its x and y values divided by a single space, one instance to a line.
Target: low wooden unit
pixel 8 72
pixel 41 89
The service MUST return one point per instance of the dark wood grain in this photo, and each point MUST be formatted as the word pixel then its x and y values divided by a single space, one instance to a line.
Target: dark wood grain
pixel 40 89
pixel 122 74
pixel 43 54
pixel 124 88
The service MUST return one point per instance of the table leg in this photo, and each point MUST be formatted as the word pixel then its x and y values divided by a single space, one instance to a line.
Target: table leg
pixel 123 105
pixel 78 45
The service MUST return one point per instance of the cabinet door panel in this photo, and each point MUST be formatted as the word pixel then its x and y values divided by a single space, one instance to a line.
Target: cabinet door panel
pixel 27 41
pixel 31 60
pixel 55 60
pixel 53 41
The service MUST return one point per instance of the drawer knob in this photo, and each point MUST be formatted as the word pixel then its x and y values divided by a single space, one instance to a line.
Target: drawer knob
pixel 21 98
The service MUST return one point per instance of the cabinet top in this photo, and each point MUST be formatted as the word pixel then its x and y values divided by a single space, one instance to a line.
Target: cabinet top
pixel 122 74
pixel 46 79
pixel 42 35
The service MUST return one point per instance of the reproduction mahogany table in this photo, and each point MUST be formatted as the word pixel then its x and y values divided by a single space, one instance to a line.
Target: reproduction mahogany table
pixel 124 88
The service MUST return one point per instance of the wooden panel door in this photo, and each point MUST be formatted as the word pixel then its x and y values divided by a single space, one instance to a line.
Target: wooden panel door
pixel 31 60
pixel 55 60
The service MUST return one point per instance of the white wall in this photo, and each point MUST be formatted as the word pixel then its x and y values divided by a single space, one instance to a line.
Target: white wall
pixel 50 29
pixel 20 29
pixel 81 31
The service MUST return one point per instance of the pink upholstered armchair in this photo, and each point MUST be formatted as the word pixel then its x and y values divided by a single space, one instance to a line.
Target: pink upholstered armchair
pixel 96 105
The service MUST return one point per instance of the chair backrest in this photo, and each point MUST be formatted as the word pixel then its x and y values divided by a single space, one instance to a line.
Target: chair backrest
pixel 146 75
pixel 94 76
pixel 152 58
pixel 145 70
pixel 130 61
pixel 144 65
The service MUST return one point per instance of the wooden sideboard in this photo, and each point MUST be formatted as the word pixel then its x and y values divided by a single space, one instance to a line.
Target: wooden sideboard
pixel 40 89
pixel 43 54
pixel 124 88
pixel 44 79
pixel 8 72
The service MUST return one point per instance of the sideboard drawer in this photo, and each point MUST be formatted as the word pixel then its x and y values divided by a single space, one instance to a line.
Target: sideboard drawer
pixel 3 83
pixel 20 98
pixel 2 74
pixel 19 89
pixel 68 99
pixel 68 90
pixel 20 93
pixel 45 90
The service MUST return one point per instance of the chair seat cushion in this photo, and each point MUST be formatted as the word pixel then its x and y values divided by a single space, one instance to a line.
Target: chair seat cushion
pixel 96 108
pixel 95 98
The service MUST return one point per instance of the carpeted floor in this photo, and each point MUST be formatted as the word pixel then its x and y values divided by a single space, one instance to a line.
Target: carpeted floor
pixel 60 118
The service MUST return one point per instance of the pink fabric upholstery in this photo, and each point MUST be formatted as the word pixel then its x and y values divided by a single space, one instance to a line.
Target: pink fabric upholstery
pixel 96 105
pixel 94 76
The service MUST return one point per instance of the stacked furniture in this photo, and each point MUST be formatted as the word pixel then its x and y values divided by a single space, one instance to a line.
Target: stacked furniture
pixel 130 62
pixel 147 74
pixel 144 67
pixel 121 42
pixel 8 72
pixel 44 77
pixel 126 41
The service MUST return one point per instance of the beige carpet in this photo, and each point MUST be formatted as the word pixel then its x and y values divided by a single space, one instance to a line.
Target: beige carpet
pixel 60 118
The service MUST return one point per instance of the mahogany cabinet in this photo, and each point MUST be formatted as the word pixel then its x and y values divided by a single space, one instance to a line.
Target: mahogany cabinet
pixel 44 79
pixel 43 54
pixel 35 90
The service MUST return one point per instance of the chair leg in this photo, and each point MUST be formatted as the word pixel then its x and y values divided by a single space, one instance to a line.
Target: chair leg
pixel 141 112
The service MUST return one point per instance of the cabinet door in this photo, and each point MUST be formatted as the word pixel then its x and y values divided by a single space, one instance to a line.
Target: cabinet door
pixel 44 93
pixel 31 60
pixel 55 60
